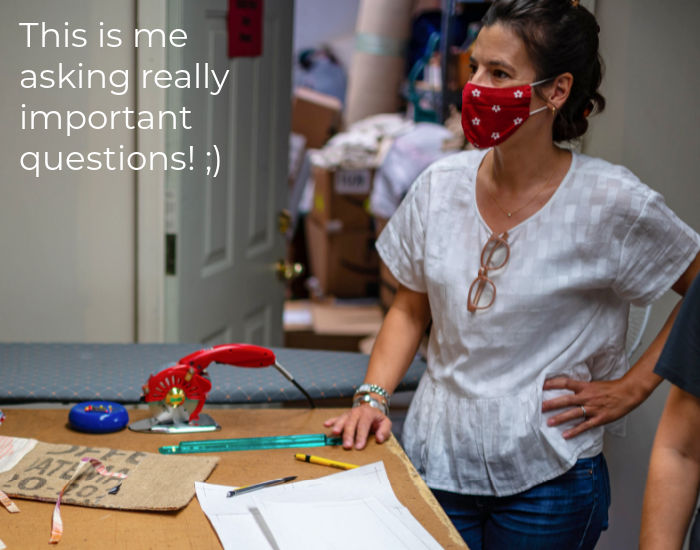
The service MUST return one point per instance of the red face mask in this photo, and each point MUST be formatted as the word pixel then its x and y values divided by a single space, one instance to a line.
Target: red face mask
pixel 491 115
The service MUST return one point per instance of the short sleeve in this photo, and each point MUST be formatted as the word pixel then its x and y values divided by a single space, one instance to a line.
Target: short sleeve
pixel 401 244
pixel 655 252
pixel 680 359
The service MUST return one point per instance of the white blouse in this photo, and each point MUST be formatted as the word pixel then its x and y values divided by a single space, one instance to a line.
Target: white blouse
pixel 603 240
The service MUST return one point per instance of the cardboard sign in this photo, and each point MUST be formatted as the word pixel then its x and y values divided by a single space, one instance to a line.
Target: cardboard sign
pixel 245 28
pixel 154 482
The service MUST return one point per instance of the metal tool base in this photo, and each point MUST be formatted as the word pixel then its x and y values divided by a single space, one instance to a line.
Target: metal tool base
pixel 205 423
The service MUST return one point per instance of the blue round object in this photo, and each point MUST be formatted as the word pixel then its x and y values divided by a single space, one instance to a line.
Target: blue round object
pixel 98 417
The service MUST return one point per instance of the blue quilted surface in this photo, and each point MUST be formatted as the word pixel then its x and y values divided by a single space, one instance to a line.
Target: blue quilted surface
pixel 116 372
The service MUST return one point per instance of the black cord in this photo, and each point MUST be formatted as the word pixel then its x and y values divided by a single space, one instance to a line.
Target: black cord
pixel 288 376
pixel 302 390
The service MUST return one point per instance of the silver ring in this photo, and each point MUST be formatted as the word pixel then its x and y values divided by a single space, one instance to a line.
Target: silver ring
pixel 583 410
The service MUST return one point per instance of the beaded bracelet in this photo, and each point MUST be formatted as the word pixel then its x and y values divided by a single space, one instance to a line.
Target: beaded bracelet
pixel 373 388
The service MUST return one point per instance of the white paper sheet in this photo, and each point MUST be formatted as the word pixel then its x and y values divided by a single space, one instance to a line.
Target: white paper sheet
pixel 323 525
pixel 362 497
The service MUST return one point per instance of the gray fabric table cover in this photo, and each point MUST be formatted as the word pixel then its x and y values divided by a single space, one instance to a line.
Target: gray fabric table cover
pixel 116 372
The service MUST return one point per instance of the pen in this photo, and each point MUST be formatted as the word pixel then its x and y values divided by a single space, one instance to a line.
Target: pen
pixel 262 485
pixel 325 461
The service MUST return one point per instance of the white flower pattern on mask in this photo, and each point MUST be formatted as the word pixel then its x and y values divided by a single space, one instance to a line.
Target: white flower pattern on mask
pixel 495 135
pixel 496 108
pixel 476 121
pixel 518 93
pixel 517 121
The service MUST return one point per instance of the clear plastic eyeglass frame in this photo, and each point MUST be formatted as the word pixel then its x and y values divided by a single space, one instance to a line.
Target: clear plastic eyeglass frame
pixel 494 256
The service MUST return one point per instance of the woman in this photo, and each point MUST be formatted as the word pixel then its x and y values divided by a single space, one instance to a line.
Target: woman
pixel 526 257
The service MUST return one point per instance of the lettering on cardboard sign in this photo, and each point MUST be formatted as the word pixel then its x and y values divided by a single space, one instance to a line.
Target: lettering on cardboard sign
pixel 45 476
pixel 352 182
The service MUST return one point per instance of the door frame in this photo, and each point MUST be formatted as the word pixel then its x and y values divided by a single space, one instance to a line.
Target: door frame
pixel 150 189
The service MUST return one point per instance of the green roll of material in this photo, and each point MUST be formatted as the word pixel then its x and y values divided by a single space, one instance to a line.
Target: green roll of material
pixel 376 44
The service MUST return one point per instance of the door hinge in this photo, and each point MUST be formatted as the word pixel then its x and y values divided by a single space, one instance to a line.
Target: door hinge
pixel 170 247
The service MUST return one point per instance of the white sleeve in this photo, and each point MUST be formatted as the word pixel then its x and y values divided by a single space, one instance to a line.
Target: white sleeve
pixel 401 244
pixel 655 252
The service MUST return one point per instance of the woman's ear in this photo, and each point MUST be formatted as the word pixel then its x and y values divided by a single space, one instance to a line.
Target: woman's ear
pixel 559 90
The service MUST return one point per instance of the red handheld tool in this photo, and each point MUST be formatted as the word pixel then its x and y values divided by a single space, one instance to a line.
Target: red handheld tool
pixel 178 393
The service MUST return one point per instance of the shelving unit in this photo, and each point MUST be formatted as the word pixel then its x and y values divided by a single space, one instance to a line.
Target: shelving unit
pixel 449 13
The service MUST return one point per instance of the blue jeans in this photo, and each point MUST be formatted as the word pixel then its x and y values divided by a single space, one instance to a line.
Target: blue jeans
pixel 568 512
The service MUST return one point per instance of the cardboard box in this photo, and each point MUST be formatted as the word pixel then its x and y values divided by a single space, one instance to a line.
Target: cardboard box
pixel 316 116
pixel 346 319
pixel 329 326
pixel 341 197
pixel 345 262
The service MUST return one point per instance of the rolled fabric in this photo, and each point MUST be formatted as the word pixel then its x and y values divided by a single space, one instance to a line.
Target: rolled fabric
pixel 379 62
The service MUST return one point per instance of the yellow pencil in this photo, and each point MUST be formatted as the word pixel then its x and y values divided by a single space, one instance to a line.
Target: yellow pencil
pixel 325 461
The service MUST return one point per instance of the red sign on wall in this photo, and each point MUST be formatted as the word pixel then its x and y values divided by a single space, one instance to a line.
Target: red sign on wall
pixel 245 28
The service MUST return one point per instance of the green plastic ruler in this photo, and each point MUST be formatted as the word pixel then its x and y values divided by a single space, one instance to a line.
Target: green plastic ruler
pixel 251 443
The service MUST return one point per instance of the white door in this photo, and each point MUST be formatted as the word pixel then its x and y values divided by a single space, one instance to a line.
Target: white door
pixel 221 286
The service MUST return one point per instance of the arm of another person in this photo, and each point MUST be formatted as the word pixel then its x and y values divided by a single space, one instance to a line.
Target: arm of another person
pixel 608 400
pixel 392 354
pixel 674 474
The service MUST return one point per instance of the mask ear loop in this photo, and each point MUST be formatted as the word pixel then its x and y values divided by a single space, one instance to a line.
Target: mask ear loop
pixel 544 107
pixel 542 81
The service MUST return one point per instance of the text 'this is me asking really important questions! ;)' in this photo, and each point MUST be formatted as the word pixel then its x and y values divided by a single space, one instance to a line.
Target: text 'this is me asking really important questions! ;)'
pixel 68 78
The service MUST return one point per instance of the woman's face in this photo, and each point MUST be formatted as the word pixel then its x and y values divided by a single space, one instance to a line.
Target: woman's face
pixel 499 59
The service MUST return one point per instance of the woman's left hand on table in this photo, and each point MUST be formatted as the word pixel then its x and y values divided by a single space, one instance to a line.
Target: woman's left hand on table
pixel 603 402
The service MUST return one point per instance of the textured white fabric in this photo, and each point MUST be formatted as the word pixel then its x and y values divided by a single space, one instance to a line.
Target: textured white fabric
pixel 603 240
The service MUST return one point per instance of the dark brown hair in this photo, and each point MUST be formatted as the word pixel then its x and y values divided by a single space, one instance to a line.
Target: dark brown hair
pixel 560 36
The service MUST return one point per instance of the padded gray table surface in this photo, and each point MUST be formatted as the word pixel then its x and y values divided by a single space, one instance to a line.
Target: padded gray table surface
pixel 116 372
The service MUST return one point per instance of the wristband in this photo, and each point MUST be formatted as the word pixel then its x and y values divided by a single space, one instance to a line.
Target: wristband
pixel 373 388
pixel 371 401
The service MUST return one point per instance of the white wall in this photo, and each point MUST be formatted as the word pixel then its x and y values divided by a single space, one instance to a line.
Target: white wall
pixel 67 270
pixel 332 22
pixel 318 21
pixel 652 52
